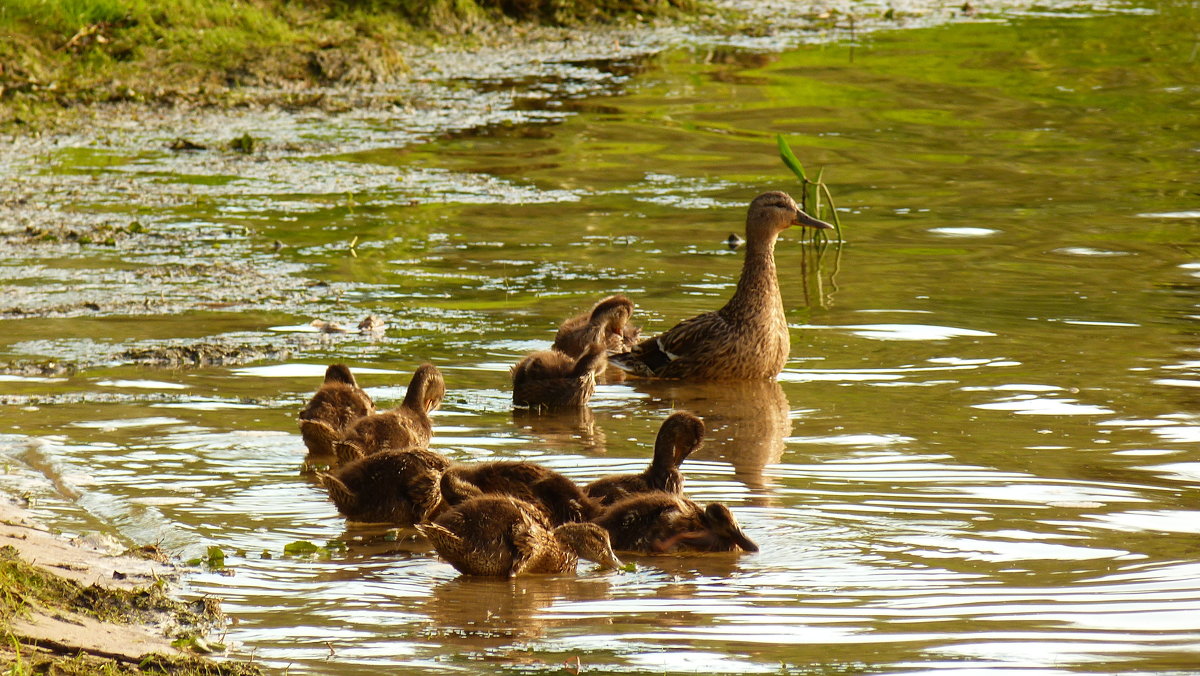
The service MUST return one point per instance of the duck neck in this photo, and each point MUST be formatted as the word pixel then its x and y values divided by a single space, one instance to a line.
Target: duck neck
pixel 757 293
pixel 414 397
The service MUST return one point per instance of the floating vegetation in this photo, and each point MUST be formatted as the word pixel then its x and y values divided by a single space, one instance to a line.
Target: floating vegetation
pixel 306 549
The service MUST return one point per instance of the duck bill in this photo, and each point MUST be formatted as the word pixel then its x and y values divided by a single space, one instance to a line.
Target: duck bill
pixel 804 220
pixel 746 544
pixel 610 560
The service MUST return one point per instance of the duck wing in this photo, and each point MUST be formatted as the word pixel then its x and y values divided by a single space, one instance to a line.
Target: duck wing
pixel 668 355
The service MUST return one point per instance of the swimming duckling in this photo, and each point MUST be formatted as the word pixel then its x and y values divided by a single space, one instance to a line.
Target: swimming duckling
pixel 397 487
pixel 747 339
pixel 338 401
pixel 502 536
pixel 661 523
pixel 679 435
pixel 406 426
pixel 559 498
pixel 551 379
pixel 606 324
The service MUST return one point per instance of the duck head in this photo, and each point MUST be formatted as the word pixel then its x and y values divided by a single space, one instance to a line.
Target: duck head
pixel 589 541
pixel 776 211
pixel 426 389
pixel 612 313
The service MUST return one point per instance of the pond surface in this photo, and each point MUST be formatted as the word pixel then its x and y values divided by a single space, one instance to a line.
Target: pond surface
pixel 982 454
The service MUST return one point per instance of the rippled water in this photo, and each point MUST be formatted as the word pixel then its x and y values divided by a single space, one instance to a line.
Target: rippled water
pixel 982 454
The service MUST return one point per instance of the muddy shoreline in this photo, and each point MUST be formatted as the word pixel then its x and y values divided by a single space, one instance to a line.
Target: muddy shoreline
pixel 85 607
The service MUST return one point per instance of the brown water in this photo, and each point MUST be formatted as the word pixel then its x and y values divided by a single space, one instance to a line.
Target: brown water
pixel 982 454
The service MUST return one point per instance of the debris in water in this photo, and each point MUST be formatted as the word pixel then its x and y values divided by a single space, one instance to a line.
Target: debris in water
pixel 184 144
pixel 328 327
pixel 372 325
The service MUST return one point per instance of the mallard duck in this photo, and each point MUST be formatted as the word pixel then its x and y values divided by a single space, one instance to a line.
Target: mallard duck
pixel 607 324
pixel 747 339
pixel 560 499
pixel 551 379
pixel 661 523
pixel 679 435
pixel 397 487
pixel 502 536
pixel 338 401
pixel 406 426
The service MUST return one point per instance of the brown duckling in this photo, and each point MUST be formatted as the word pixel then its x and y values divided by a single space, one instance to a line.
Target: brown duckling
pixel 661 523
pixel 747 339
pixel 398 487
pixel 338 401
pixel 607 324
pixel 679 435
pixel 406 426
pixel 502 536
pixel 551 379
pixel 559 498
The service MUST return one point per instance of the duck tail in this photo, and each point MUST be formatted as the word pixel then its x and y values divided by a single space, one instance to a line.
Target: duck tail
pixel 646 358
pixel 340 493
pixel 318 436
pixel 347 452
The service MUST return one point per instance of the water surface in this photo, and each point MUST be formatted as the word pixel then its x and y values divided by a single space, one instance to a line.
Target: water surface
pixel 981 455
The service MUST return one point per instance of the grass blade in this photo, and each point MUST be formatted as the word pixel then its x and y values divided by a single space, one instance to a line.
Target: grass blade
pixel 789 158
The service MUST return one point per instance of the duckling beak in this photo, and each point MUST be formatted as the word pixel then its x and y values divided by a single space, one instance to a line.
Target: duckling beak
pixel 610 560
pixel 807 221
pixel 741 540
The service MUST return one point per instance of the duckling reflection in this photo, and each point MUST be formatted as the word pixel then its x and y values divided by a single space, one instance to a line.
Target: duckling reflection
pixel 370 547
pixel 469 609
pixel 746 421
pixel 570 430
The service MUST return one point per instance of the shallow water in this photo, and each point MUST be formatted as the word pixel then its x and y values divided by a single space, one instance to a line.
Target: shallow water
pixel 981 455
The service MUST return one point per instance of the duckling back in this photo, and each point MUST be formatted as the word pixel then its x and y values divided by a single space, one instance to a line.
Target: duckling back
pixel 558 498
pixel 397 487
pixel 502 536
pixel 551 379
pixel 492 535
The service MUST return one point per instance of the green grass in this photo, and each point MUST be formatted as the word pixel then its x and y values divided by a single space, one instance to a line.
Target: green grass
pixel 83 51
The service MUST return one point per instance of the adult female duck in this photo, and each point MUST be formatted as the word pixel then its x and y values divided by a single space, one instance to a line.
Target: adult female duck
pixel 748 338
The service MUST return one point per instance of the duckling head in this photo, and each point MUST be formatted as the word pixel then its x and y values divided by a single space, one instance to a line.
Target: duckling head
pixel 724 529
pixel 426 389
pixel 613 313
pixel 589 541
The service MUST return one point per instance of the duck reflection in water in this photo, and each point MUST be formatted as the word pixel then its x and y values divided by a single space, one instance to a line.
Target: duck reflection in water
pixel 746 421
pixel 571 430
pixel 476 610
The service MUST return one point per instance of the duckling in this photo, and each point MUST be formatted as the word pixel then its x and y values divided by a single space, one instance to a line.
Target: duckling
pixel 607 324
pixel 661 523
pixel 406 426
pixel 558 498
pixel 551 379
pixel 338 401
pixel 398 487
pixel 502 536
pixel 679 435
pixel 747 339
